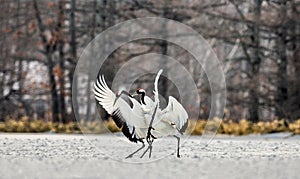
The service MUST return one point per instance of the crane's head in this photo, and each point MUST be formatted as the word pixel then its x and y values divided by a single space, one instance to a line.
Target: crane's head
pixel 140 91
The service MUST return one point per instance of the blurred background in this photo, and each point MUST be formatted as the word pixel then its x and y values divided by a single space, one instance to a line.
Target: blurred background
pixel 257 42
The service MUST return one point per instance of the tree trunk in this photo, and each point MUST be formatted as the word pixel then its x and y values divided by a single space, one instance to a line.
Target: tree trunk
pixel 282 86
pixel 88 90
pixel 60 22
pixel 50 65
pixel 72 76
pixel 295 96
pixel 54 95
pixel 255 63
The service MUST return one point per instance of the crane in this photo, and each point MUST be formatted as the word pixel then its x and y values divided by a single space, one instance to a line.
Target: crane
pixel 145 119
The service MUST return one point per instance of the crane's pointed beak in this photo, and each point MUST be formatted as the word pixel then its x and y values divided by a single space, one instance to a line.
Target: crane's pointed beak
pixel 134 94
pixel 128 94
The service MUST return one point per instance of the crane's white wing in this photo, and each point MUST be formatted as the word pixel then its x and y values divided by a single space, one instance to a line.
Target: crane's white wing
pixel 124 116
pixel 175 113
pixel 104 96
pixel 149 109
pixel 150 105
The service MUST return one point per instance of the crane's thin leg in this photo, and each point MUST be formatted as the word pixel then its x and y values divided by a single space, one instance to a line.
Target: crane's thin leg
pixel 149 148
pixel 149 135
pixel 131 155
pixel 146 151
pixel 150 152
pixel 178 143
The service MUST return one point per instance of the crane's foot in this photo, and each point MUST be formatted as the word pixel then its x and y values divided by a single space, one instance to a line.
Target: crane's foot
pixel 150 137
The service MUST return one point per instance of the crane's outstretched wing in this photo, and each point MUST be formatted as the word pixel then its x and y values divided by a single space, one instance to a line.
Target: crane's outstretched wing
pixel 125 117
pixel 176 114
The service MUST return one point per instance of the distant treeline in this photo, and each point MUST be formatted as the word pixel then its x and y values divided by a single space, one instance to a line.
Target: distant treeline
pixel 257 42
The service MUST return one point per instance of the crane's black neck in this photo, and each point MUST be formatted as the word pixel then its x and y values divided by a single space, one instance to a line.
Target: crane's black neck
pixel 142 97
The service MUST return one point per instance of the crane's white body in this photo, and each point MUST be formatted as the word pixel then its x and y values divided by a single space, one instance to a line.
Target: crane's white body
pixel 168 121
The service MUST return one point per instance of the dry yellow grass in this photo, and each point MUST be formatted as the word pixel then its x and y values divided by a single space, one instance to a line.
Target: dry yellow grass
pixel 243 127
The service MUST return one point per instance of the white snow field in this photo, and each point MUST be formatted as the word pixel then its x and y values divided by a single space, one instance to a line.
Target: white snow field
pixel 103 156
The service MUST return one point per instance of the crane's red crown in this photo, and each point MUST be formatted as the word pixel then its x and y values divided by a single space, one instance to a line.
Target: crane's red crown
pixel 140 90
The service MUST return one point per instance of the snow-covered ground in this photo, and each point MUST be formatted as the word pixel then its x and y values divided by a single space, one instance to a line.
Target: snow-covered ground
pixel 95 156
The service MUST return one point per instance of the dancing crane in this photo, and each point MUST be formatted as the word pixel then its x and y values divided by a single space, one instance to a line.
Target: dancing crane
pixel 171 121
pixel 145 119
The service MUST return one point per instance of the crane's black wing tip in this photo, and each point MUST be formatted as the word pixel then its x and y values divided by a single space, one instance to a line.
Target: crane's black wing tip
pixel 183 128
pixel 131 136
pixel 118 119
